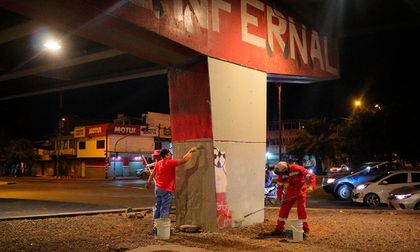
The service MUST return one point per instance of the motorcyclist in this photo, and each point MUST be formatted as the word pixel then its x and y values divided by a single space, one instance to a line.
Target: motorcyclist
pixel 268 175
pixel 270 188
pixel 296 191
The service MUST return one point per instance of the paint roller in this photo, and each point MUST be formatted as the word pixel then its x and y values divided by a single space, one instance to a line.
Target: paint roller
pixel 238 222
pixel 197 148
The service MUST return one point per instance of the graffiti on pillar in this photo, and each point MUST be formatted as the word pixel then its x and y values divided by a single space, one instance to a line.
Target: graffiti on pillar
pixel 224 216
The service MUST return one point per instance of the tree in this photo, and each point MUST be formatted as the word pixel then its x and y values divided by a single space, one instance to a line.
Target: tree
pixel 20 151
pixel 363 133
pixel 319 138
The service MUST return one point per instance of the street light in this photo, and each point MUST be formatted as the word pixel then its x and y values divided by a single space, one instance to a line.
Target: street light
pixel 357 103
pixel 52 45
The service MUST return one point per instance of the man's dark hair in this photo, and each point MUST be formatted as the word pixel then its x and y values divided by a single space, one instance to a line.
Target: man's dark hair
pixel 164 152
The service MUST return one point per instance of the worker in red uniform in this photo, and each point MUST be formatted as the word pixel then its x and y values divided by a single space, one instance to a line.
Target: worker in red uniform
pixel 295 176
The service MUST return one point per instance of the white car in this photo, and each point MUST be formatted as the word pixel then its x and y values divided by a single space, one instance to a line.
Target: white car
pixel 377 191
pixel 405 198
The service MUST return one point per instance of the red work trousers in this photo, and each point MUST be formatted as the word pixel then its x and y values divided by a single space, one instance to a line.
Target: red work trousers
pixel 289 200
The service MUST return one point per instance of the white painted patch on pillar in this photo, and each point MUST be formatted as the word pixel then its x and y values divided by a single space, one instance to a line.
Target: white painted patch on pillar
pixel 238 107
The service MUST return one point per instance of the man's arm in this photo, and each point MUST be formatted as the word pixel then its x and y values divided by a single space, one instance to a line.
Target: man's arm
pixel 186 157
pixel 280 186
pixel 312 178
pixel 149 180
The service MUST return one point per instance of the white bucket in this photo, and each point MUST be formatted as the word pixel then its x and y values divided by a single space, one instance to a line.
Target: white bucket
pixel 163 228
pixel 294 230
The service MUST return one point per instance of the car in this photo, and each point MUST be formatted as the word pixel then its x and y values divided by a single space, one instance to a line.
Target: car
pixel 340 168
pixel 144 172
pixel 330 182
pixel 405 197
pixel 376 191
pixel 341 184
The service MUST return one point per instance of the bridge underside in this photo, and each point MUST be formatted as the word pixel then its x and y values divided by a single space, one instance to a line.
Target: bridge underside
pixel 215 105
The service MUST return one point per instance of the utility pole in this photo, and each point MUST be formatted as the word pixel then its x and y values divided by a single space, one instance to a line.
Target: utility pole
pixel 279 121
pixel 106 154
pixel 58 145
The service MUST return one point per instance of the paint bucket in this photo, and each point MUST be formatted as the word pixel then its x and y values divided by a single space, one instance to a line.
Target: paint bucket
pixel 163 228
pixel 294 230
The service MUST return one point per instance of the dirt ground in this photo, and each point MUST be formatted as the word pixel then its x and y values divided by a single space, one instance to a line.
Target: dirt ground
pixel 331 230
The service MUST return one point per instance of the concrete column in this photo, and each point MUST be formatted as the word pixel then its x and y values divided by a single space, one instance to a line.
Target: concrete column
pixel 220 107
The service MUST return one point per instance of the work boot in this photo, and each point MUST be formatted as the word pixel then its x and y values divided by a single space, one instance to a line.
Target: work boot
pixel 305 236
pixel 275 233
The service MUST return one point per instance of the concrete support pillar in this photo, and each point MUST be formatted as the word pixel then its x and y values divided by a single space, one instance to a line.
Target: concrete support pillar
pixel 220 107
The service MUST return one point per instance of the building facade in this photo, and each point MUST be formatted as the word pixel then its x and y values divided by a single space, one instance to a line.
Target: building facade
pixel 108 150
pixel 279 137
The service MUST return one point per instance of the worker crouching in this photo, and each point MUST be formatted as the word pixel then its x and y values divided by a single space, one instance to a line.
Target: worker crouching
pixel 295 176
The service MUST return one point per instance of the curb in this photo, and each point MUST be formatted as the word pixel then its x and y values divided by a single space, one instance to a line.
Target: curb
pixel 53 178
pixel 341 210
pixel 72 214
pixel 7 182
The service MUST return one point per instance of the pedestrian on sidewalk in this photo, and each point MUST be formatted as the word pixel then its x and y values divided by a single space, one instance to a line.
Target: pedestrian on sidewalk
pixel 296 191
pixel 164 172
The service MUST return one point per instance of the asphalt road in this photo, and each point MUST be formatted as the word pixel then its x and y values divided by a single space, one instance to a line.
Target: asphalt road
pixel 51 196
pixel 37 196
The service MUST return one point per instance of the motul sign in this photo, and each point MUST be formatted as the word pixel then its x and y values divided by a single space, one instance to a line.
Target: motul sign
pixel 246 32
pixel 107 129
pixel 126 130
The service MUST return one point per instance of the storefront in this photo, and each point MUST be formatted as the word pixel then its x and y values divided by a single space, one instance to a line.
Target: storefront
pixel 113 150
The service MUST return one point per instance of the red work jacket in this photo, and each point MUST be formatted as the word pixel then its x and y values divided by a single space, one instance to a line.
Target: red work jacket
pixel 295 177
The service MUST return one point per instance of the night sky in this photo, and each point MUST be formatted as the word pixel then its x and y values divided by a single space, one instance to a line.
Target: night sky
pixel 37 116
pixel 380 66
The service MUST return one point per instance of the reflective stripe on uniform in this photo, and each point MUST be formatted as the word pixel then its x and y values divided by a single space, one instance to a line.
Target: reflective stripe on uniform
pixel 308 175
pixel 294 173
pixel 282 219
pixel 280 183
pixel 303 220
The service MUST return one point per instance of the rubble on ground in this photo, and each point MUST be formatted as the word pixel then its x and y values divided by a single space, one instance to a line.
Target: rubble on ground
pixel 331 230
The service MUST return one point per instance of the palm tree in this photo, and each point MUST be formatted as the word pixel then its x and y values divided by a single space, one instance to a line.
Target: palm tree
pixel 319 138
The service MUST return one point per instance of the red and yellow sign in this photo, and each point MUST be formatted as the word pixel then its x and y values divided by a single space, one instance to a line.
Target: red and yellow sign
pixel 110 129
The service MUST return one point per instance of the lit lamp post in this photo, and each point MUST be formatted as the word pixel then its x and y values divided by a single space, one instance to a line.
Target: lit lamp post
pixel 357 103
pixel 52 45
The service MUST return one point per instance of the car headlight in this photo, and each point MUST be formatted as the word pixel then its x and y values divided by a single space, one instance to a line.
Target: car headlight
pixel 403 196
pixel 361 187
pixel 330 180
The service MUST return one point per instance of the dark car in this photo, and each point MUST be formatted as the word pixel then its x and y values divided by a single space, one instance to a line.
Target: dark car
pixel 341 184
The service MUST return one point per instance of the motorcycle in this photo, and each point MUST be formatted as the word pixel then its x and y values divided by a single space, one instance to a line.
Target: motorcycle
pixel 270 195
